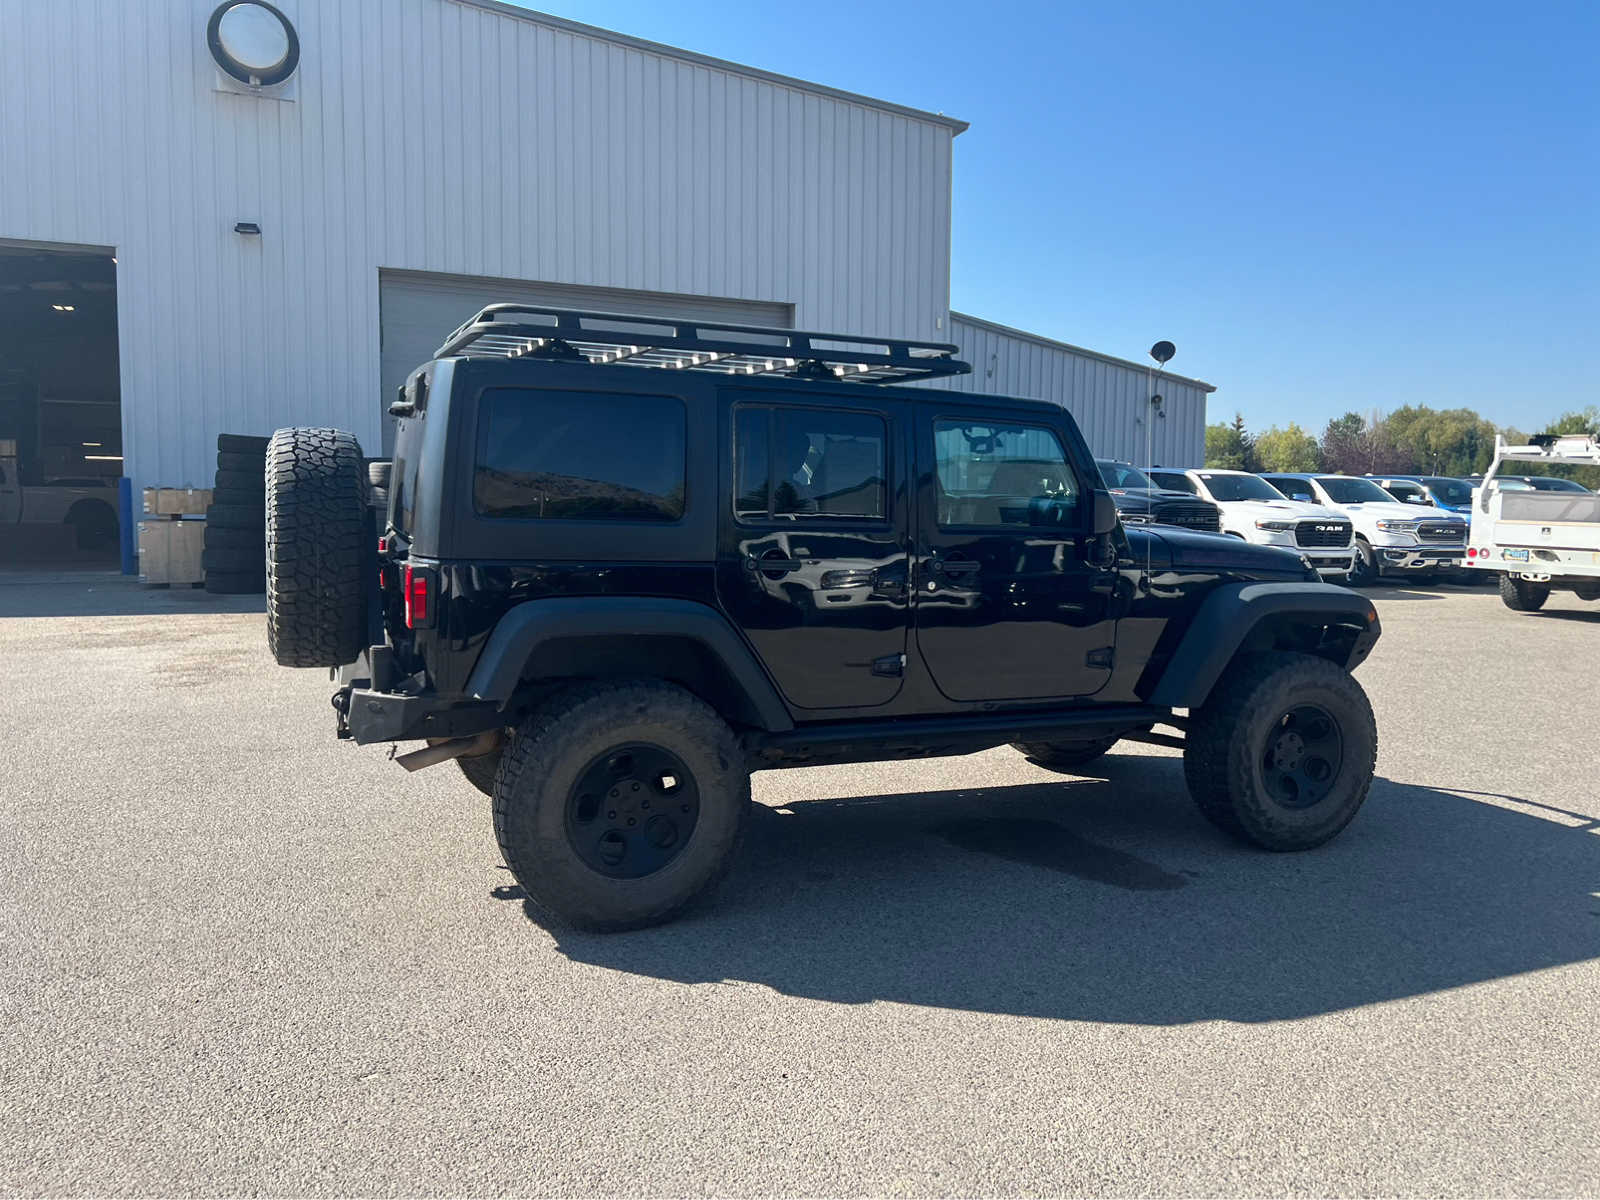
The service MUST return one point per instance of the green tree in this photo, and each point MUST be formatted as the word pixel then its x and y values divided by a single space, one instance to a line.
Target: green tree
pixel 1291 449
pixel 1345 445
pixel 1229 447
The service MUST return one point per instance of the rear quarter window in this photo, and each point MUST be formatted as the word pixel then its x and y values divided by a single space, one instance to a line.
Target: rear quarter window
pixel 579 456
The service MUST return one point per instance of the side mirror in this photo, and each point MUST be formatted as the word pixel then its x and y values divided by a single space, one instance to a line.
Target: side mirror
pixel 1105 514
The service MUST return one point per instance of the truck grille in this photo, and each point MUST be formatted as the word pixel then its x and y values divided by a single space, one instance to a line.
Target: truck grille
pixel 1439 531
pixel 1196 515
pixel 1322 533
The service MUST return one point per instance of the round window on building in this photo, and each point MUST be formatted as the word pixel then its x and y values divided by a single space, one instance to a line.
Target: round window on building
pixel 253 42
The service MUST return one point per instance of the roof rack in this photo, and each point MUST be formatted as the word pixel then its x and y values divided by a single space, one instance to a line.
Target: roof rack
pixel 571 335
pixel 1551 447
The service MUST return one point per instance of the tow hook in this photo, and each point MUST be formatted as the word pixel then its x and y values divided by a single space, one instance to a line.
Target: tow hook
pixel 440 750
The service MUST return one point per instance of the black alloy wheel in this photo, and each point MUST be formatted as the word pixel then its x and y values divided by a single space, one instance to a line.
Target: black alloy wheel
pixel 1303 756
pixel 632 810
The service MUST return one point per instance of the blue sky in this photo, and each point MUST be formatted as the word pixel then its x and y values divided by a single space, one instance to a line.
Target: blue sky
pixel 1327 207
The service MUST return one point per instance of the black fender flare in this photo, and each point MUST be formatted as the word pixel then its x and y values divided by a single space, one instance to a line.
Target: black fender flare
pixel 1232 612
pixel 524 628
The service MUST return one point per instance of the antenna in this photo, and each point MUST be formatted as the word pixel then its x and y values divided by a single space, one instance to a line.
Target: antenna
pixel 1162 353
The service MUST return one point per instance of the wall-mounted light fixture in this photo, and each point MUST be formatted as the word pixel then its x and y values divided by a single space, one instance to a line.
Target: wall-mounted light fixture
pixel 248 228
pixel 253 42
pixel 65 307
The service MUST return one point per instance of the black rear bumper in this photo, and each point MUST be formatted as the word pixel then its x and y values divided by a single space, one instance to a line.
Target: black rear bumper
pixel 367 714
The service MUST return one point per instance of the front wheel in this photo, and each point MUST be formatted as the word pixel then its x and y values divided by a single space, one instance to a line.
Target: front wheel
pixel 1282 753
pixel 618 803
pixel 1523 595
pixel 1364 568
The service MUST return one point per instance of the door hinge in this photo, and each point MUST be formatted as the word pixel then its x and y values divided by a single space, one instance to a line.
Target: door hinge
pixel 1102 657
pixel 889 664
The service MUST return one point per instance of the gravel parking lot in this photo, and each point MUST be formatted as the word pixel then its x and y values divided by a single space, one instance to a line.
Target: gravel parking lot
pixel 238 956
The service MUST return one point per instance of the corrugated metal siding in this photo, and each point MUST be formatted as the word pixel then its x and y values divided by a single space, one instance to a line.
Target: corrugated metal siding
pixel 430 135
pixel 1109 400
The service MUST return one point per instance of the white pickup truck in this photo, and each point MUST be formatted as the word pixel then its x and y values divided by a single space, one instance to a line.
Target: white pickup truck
pixel 87 507
pixel 1537 540
pixel 1254 510
pixel 1391 538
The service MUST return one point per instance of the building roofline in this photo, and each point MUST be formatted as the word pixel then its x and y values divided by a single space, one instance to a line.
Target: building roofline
pixel 1011 331
pixel 705 60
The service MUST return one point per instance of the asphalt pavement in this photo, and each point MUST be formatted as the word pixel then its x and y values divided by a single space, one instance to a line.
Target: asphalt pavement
pixel 239 956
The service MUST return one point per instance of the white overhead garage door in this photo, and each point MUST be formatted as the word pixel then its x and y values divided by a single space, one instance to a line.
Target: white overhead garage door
pixel 417 311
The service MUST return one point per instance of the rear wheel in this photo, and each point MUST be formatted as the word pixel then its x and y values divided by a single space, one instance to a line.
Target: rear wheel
pixel 1064 756
pixel 317 553
pixel 618 803
pixel 1523 595
pixel 1282 753
pixel 1587 591
pixel 94 525
pixel 480 769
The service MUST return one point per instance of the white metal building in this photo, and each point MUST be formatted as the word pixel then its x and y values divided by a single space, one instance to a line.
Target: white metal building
pixel 285 251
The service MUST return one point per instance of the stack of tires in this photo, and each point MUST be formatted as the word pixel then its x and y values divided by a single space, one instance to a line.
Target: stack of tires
pixel 378 470
pixel 235 556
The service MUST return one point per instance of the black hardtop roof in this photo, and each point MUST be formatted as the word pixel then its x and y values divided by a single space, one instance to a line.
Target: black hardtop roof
pixel 519 331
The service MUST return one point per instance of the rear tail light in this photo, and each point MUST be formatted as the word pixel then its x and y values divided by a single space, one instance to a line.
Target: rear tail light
pixel 419 592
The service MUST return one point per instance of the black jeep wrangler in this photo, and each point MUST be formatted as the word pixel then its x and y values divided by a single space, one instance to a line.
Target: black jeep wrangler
pixel 626 561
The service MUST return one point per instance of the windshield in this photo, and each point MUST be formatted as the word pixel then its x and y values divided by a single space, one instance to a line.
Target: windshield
pixel 1549 483
pixel 1121 475
pixel 1344 490
pixel 1407 493
pixel 1449 491
pixel 1238 487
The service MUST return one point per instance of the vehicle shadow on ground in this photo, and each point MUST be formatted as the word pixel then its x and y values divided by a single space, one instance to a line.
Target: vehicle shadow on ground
pixel 1112 901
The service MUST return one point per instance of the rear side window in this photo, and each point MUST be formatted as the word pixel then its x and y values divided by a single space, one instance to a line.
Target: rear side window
pixel 794 463
pixel 579 456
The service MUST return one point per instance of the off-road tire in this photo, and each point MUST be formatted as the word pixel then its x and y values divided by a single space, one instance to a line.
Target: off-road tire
pixel 1522 595
pixel 250 482
pixel 316 552
pixel 236 583
pixel 379 471
pixel 228 461
pixel 1231 736
pixel 542 765
pixel 237 516
pixel 1064 756
pixel 481 769
pixel 238 443
pixel 1364 570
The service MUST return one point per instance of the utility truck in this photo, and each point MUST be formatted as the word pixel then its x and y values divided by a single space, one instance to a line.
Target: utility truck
pixel 87 506
pixel 1537 540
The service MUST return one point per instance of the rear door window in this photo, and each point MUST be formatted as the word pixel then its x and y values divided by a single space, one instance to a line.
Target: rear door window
pixel 579 456
pixel 793 464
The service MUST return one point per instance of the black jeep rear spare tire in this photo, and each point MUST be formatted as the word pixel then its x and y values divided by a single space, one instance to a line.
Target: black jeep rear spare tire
pixel 617 803
pixel 317 556
pixel 1281 754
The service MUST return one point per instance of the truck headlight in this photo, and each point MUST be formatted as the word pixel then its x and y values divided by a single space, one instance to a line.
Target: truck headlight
pixel 1398 526
pixel 1276 526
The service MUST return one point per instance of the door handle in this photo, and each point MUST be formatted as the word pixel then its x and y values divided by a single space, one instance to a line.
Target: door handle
pixel 772 564
pixel 959 566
